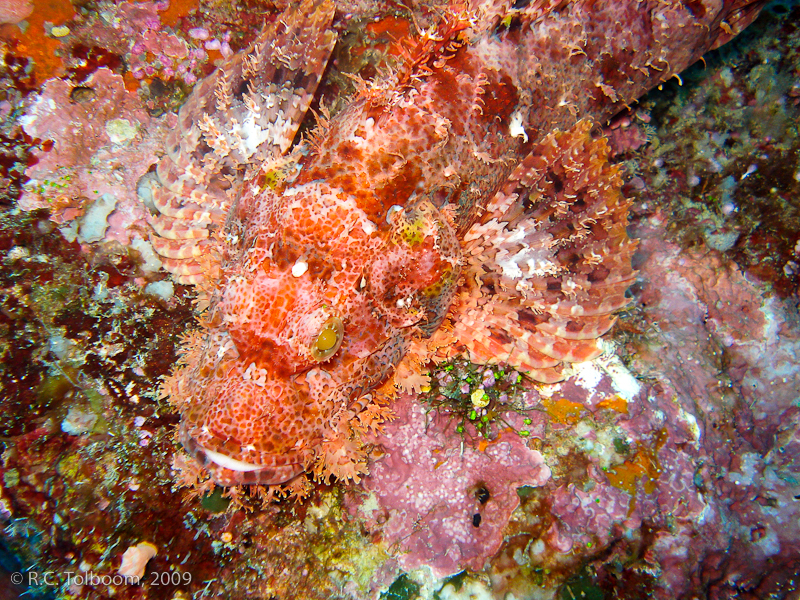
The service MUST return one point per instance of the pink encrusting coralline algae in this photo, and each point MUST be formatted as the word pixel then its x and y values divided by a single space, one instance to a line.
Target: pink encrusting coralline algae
pixel 447 501
pixel 14 11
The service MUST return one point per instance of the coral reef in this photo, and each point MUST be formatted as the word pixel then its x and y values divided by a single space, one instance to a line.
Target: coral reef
pixel 726 164
pixel 100 141
pixel 157 44
pixel 83 434
pixel 666 467
pixel 36 37
pixel 15 145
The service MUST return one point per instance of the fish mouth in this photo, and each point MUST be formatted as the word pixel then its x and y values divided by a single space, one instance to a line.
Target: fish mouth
pixel 226 462
pixel 228 471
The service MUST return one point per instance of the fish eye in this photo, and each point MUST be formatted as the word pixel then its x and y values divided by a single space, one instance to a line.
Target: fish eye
pixel 392 213
pixel 328 339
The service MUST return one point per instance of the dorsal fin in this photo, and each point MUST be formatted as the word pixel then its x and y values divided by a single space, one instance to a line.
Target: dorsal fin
pixel 428 48
pixel 257 99
pixel 244 114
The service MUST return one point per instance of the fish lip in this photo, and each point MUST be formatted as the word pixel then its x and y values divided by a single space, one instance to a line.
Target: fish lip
pixel 227 471
pixel 226 462
pixel 213 459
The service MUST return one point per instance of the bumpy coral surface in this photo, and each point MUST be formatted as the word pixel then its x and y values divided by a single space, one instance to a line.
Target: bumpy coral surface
pixel 98 137
pixel 321 268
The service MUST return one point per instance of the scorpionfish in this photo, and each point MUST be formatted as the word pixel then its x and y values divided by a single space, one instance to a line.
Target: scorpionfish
pixel 466 186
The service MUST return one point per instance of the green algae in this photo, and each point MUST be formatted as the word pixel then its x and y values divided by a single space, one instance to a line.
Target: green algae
pixel 478 395
pixel 403 588
pixel 581 587
pixel 214 501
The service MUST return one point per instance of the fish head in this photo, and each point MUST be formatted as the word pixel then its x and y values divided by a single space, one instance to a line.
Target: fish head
pixel 316 311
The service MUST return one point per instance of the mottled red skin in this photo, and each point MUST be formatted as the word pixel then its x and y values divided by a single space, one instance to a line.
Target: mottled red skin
pixel 437 142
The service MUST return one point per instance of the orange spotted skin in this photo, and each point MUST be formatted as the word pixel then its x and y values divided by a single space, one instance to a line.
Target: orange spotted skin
pixel 446 187
pixel 376 252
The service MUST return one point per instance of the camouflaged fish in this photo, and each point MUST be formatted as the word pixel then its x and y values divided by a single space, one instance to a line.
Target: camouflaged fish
pixel 468 180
